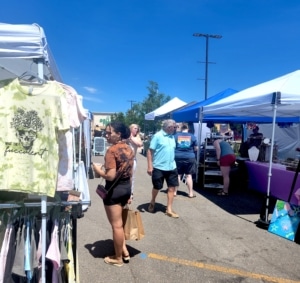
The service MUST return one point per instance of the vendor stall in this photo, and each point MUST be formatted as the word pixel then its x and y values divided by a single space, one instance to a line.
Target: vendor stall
pixel 273 101
pixel 281 180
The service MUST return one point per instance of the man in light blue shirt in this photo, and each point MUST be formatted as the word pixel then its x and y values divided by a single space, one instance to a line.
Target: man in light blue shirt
pixel 162 165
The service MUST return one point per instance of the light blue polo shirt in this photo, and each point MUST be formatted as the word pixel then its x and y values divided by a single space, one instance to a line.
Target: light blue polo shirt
pixel 163 146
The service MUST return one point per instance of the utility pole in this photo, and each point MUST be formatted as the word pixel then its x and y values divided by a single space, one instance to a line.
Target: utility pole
pixel 207 36
pixel 131 103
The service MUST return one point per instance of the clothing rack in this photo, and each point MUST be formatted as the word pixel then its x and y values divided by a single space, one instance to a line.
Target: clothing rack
pixel 44 220
pixel 38 204
pixel 43 65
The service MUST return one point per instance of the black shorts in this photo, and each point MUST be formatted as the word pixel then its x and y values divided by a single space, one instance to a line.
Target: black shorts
pixel 186 166
pixel 158 177
pixel 119 194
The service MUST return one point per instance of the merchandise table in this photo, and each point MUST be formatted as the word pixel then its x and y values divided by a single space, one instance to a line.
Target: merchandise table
pixel 281 180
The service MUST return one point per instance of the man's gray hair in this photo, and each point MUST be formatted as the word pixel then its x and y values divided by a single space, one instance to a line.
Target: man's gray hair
pixel 168 123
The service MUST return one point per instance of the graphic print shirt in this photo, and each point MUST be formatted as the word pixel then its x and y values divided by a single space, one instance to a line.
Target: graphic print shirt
pixel 185 143
pixel 31 117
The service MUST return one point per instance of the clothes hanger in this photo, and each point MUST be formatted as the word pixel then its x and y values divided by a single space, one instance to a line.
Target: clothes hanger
pixel 31 78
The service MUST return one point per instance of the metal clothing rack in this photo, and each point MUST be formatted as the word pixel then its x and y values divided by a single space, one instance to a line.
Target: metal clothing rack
pixel 38 204
pixel 44 220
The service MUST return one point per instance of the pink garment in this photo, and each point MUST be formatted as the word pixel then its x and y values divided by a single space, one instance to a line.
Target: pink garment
pixel 53 253
pixel 76 115
pixel 75 109
pixel 65 180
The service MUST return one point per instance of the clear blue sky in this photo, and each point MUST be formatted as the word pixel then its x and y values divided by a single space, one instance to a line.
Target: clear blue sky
pixel 110 50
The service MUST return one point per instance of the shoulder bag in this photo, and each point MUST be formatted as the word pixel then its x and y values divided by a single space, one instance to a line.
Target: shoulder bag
pixel 102 192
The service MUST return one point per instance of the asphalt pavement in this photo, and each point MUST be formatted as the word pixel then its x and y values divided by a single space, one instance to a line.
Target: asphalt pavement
pixel 215 239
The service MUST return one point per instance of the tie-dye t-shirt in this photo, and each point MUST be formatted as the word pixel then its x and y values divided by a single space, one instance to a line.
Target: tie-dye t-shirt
pixel 30 118
pixel 120 157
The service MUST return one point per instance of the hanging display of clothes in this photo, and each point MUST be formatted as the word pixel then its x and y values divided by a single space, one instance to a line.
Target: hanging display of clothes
pixel 20 253
pixel 39 113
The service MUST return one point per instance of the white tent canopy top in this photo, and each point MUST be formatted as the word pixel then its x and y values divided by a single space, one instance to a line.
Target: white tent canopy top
pixel 171 105
pixel 22 47
pixel 256 101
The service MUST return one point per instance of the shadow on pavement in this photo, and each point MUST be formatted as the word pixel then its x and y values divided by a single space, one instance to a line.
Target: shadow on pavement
pixel 238 202
pixel 158 208
pixel 101 249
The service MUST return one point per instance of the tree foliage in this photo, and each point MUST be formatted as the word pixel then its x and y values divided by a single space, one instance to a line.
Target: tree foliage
pixel 136 114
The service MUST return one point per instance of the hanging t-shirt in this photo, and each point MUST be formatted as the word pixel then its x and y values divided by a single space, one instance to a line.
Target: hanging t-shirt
pixel 76 115
pixel 31 117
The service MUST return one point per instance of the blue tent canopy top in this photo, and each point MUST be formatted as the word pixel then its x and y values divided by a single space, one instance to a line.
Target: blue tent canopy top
pixel 191 113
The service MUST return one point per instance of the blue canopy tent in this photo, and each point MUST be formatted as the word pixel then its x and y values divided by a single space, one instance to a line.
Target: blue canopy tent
pixel 192 113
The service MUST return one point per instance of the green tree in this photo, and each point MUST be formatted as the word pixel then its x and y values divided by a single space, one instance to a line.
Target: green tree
pixel 136 114
pixel 118 117
pixel 150 103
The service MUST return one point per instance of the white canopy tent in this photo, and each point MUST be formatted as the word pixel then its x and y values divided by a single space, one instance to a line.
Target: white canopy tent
pixel 257 101
pixel 23 48
pixel 171 105
pixel 272 101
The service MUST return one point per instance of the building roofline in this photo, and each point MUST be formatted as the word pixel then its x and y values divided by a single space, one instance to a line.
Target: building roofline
pixel 103 113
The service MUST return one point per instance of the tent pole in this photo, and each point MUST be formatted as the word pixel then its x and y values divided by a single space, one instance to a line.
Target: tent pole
pixel 275 99
pixel 199 141
pixel 43 203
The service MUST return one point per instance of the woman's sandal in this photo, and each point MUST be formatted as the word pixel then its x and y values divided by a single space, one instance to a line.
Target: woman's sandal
pixel 222 193
pixel 193 196
pixel 126 258
pixel 113 261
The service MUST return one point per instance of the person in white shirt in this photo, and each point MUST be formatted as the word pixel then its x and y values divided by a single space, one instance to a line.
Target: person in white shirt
pixel 135 142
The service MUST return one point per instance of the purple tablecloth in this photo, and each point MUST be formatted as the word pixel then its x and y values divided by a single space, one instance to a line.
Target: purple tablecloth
pixel 281 180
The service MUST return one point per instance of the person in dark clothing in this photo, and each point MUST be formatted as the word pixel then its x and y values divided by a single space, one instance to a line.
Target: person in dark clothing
pixel 255 138
pixel 185 158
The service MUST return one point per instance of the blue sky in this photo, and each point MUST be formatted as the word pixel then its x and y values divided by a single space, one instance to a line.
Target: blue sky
pixel 110 50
